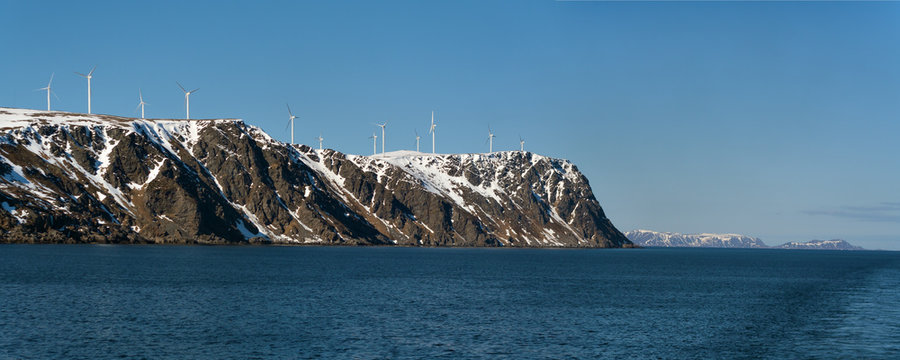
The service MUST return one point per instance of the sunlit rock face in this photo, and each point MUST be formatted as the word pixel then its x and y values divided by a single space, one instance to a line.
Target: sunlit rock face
pixel 94 178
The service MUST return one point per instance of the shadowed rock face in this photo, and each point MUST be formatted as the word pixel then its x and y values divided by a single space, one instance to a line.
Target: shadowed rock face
pixel 92 178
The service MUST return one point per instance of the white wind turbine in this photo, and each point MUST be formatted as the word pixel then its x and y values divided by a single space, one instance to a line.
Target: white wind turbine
pixel 48 91
pixel 431 130
pixel 382 135
pixel 374 138
pixel 88 77
pixel 291 121
pixel 521 144
pixel 142 103
pixel 320 138
pixel 417 140
pixel 187 100
pixel 491 140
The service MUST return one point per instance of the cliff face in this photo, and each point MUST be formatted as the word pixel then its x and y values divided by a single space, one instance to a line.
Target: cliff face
pixel 94 178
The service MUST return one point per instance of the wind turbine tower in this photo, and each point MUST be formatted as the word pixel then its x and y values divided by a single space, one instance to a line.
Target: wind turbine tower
pixel 88 77
pixel 320 138
pixel 374 138
pixel 417 140
pixel 431 130
pixel 142 103
pixel 48 91
pixel 187 100
pixel 382 136
pixel 291 121
pixel 521 144
pixel 491 140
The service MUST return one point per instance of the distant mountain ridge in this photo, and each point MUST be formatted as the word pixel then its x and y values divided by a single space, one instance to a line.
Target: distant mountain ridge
pixel 649 238
pixel 670 239
pixel 833 244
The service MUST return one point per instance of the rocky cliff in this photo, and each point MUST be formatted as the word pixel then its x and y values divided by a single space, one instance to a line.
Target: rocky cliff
pixel 68 177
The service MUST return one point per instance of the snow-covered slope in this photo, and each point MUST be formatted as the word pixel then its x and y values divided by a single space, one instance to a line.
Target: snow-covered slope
pixel 96 178
pixel 667 239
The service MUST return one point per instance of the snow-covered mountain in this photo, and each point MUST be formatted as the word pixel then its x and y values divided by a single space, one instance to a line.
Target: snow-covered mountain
pixel 834 244
pixel 668 239
pixel 67 177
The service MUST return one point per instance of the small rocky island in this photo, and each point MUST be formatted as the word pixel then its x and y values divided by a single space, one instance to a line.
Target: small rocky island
pixel 78 178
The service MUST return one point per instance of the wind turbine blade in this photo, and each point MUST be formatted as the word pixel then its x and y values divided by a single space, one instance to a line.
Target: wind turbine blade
pixel 51 79
pixel 80 74
pixel 92 70
pixel 54 95
pixel 182 87
pixel 195 90
pixel 289 109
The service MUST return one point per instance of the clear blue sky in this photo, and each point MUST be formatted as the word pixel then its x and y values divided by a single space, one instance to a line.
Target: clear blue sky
pixel 776 120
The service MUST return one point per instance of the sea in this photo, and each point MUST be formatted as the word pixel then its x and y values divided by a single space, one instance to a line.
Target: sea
pixel 234 302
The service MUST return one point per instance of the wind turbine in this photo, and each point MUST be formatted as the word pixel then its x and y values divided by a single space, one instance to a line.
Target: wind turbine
pixel 88 77
pixel 142 103
pixel 491 140
pixel 382 135
pixel 320 138
pixel 431 130
pixel 417 140
pixel 521 144
pixel 374 138
pixel 187 100
pixel 292 123
pixel 48 91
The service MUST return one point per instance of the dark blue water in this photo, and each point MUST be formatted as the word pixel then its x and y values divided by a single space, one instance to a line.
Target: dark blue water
pixel 306 302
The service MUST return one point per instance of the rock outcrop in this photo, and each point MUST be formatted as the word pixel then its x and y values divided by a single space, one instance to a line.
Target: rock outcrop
pixel 78 178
